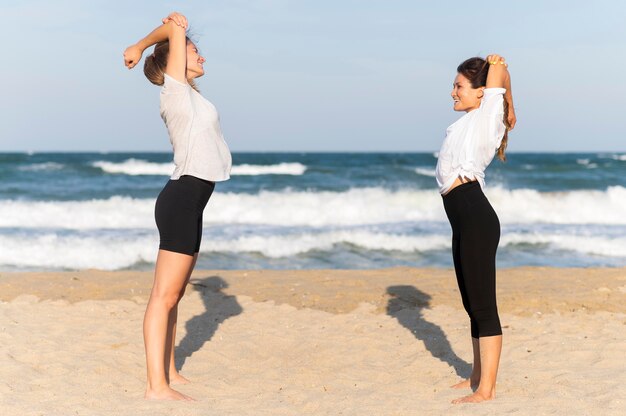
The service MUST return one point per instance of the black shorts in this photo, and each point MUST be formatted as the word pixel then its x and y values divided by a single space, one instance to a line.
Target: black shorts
pixel 178 213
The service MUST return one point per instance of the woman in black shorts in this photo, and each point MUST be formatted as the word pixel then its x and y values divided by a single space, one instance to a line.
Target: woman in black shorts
pixel 482 89
pixel 201 158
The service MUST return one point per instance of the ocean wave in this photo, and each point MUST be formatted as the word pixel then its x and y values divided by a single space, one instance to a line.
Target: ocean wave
pixel 111 252
pixel 141 167
pixel 135 167
pixel 37 167
pixel 584 244
pixel 290 245
pixel 587 163
pixel 619 157
pixel 278 169
pixel 51 250
pixel 359 206
pixel 425 172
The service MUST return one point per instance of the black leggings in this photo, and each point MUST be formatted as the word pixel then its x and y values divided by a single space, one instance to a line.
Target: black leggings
pixel 178 213
pixel 475 237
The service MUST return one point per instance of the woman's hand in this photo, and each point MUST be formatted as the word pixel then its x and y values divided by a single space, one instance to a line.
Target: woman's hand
pixel 511 118
pixel 132 56
pixel 497 75
pixel 177 18
pixel 496 60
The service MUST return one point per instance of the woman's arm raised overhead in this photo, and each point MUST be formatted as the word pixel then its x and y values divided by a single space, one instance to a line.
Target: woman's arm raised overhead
pixel 499 77
pixel 173 30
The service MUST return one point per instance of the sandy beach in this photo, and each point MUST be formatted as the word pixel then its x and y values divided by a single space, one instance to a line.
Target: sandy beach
pixel 319 342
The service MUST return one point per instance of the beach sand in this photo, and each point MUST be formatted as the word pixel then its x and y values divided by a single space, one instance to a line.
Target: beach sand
pixel 318 342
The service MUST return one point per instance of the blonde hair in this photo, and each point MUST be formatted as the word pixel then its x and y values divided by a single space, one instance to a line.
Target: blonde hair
pixel 155 64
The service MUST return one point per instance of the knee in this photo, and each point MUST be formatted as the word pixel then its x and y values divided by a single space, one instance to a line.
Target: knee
pixel 168 298
pixel 486 322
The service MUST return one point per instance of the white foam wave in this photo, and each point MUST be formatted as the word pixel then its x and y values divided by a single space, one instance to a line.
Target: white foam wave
pixel 586 163
pixel 571 207
pixel 291 245
pixel 135 167
pixel 115 212
pixel 278 169
pixel 602 246
pixel 36 167
pixel 361 206
pixel 425 172
pixel 50 250
pixel 142 167
pixel 619 157
pixel 76 252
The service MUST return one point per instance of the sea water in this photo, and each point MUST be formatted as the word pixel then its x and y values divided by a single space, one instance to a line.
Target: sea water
pixel 66 211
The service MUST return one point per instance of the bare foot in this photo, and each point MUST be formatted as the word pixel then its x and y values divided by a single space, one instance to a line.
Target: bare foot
pixel 166 393
pixel 475 398
pixel 176 378
pixel 466 384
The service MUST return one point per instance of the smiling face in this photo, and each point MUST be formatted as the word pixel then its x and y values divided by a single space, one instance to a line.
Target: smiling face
pixel 194 62
pixel 465 97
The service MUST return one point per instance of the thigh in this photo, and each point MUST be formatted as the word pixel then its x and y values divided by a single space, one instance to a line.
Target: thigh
pixel 172 272
pixel 198 234
pixel 478 245
pixel 176 215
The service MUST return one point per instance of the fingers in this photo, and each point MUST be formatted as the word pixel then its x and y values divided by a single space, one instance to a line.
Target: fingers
pixel 496 59
pixel 177 18
pixel 129 63
pixel 512 120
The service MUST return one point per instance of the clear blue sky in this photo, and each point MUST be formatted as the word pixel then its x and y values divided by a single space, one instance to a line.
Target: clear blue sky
pixel 317 75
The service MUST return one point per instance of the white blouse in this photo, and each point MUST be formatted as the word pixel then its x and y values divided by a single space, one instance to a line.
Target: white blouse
pixel 471 142
pixel 194 128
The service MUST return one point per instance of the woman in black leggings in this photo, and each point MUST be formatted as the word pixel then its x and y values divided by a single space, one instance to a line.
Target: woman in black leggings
pixel 482 89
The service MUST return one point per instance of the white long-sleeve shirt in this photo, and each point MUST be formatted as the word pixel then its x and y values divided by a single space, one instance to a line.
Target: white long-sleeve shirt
pixel 194 128
pixel 471 142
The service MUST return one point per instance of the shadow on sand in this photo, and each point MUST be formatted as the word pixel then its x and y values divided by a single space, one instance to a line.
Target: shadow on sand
pixel 201 328
pixel 406 305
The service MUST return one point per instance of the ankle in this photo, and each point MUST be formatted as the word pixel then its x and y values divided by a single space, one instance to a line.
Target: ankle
pixel 156 387
pixel 487 393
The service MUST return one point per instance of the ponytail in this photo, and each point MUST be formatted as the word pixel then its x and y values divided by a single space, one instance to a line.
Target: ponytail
pixel 155 64
pixel 505 138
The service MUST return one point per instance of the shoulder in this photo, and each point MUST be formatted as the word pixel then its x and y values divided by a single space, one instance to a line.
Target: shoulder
pixel 173 86
pixel 493 92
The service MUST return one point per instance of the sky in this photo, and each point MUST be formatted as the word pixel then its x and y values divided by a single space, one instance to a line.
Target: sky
pixel 314 75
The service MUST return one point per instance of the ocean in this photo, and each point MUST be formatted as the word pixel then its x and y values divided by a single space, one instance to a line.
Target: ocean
pixel 68 211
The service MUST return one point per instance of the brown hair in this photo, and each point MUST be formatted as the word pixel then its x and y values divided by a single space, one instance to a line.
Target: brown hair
pixel 476 70
pixel 154 65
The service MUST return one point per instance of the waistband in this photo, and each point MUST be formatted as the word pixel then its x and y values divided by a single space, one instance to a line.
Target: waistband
pixel 190 178
pixel 465 187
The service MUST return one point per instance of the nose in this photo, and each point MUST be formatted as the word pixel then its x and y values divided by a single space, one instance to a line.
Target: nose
pixel 202 60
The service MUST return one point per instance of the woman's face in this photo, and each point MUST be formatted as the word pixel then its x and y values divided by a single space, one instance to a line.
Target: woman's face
pixel 194 62
pixel 465 97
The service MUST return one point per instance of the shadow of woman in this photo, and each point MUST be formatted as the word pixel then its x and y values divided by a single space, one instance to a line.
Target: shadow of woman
pixel 201 328
pixel 406 305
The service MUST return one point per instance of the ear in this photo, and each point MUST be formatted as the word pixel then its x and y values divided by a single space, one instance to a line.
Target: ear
pixel 481 93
